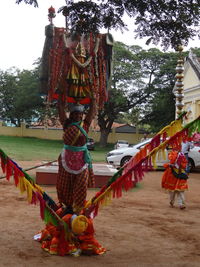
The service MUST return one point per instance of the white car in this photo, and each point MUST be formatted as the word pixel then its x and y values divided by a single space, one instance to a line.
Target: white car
pixel 121 143
pixel 119 157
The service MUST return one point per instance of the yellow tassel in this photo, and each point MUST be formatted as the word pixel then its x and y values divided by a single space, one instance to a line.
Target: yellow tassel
pixel 29 190
pixel 21 184
pixel 25 186
pixel 164 153
pixel 175 127
pixel 39 189
pixel 159 155
pixel 106 200
pixel 153 158
pixel 98 200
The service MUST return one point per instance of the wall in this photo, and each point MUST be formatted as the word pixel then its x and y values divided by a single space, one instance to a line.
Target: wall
pixel 132 138
pixel 56 134
pixel 191 93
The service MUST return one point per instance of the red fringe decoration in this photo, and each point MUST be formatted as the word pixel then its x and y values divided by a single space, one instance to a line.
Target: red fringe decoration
pixel 124 182
pixel 3 164
pixel 155 142
pixel 42 205
pixel 17 174
pixel 164 136
pixel 96 210
pixel 34 198
pixel 9 170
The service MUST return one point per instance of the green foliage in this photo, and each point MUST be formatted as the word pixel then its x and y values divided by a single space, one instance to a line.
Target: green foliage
pixel 127 89
pixel 149 103
pixel 196 51
pixel 19 95
pixel 141 91
pixel 88 16
pixel 7 92
pixel 160 109
pixel 30 2
pixel 170 22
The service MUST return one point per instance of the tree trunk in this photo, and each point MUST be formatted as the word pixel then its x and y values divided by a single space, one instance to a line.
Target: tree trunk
pixel 103 138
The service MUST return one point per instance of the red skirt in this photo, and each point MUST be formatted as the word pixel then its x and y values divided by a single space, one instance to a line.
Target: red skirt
pixel 170 182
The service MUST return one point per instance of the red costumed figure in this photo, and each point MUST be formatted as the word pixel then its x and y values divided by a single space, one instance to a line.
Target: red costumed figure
pixel 77 239
pixel 175 178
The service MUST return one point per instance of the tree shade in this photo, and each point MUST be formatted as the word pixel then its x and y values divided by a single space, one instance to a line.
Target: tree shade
pixel 170 22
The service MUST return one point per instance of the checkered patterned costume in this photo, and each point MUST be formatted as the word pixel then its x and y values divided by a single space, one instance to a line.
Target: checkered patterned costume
pixel 74 176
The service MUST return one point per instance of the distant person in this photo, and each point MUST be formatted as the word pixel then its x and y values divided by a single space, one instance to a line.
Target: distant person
pixel 186 146
pixel 145 137
pixel 175 178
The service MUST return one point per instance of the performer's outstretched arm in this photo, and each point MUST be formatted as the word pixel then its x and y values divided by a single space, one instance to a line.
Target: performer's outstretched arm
pixel 92 111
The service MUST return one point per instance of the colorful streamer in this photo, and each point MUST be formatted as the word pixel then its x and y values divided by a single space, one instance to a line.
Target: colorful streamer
pixel 133 171
pixel 126 178
pixel 35 194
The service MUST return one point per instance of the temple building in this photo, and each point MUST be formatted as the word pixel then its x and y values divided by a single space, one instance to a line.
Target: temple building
pixel 191 90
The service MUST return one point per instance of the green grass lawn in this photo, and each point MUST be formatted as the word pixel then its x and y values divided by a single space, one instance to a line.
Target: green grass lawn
pixel 26 148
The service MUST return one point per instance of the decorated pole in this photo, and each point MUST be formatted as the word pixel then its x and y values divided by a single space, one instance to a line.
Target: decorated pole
pixel 179 82
pixel 51 14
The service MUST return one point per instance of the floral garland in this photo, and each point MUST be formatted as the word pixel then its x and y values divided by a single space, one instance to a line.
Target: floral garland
pixel 88 61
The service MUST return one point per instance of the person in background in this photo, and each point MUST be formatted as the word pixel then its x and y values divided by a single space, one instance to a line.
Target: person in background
pixel 145 137
pixel 174 178
pixel 186 146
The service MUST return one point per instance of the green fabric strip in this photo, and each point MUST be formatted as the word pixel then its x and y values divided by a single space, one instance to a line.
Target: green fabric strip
pixel 80 128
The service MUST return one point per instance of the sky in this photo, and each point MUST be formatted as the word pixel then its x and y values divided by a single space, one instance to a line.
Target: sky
pixel 22 32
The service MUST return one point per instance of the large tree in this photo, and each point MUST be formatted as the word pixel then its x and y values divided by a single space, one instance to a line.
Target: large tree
pixel 160 109
pixel 142 87
pixel 19 95
pixel 170 22
pixel 130 87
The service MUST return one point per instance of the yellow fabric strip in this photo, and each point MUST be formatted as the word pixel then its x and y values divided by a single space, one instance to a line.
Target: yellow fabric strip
pixel 25 186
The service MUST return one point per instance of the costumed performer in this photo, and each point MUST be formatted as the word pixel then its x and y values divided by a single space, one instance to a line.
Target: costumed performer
pixel 80 237
pixel 175 178
pixel 75 172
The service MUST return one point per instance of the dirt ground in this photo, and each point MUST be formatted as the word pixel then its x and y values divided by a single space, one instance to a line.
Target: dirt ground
pixel 139 229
